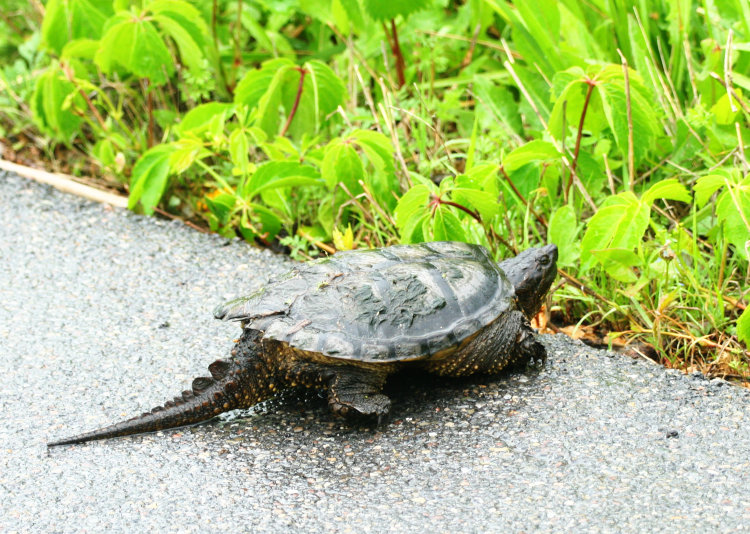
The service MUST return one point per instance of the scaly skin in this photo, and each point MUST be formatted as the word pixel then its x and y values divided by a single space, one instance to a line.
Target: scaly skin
pixel 241 382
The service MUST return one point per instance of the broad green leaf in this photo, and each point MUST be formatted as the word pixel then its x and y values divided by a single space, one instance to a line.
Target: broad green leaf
pixel 614 102
pixel 221 206
pixel 66 20
pixel 533 151
pixel 411 206
pixel 377 147
pixel 239 148
pixel 149 179
pixel 186 35
pixel 293 181
pixel 383 10
pixel 722 109
pixel 51 91
pixel 276 174
pixel 256 83
pixel 446 226
pixel 80 48
pixel 185 152
pixel 620 223
pixel 618 263
pixel 572 99
pixel 136 45
pixel 486 176
pixel 198 119
pixel 271 100
pixel 743 327
pixel 469 194
pixel 322 93
pixel 733 209
pixel 670 189
pixel 706 186
pixel 563 229
pixel 499 102
pixel 342 164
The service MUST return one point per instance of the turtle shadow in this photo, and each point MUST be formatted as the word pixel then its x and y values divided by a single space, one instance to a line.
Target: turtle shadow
pixel 415 395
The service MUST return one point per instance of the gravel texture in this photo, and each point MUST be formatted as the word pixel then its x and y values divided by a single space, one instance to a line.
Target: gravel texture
pixel 104 314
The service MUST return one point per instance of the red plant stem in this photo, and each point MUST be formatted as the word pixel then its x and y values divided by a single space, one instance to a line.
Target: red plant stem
pixel 296 100
pixel 591 84
pixel 398 54
pixel 437 200
pixel 538 217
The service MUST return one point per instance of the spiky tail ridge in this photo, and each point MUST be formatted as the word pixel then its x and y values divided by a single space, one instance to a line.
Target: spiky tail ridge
pixel 235 383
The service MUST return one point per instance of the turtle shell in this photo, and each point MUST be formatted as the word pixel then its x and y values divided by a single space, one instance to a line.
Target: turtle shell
pixel 399 303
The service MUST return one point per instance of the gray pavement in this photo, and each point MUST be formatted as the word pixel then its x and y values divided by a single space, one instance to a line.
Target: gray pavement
pixel 104 314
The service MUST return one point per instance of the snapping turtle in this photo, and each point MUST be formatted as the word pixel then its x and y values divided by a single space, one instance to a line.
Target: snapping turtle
pixel 346 322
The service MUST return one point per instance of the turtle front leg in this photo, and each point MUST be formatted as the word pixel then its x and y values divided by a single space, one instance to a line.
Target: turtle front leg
pixel 353 391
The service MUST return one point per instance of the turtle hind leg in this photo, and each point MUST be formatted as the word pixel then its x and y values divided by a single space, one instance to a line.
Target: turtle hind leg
pixel 355 392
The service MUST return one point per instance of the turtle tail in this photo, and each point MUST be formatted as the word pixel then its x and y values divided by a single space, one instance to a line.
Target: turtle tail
pixel 239 382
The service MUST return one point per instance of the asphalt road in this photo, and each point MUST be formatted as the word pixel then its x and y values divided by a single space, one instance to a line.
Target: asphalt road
pixel 104 314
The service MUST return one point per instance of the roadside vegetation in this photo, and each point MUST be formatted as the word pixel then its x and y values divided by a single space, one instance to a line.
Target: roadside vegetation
pixel 616 129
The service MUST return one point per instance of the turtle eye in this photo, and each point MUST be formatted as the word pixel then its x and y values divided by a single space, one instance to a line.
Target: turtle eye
pixel 544 260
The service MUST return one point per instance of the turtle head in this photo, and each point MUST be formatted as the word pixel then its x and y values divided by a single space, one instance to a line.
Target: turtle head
pixel 532 273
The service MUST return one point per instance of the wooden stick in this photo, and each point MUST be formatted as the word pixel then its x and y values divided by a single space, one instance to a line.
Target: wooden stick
pixel 65 183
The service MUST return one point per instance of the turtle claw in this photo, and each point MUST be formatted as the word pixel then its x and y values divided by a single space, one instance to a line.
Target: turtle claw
pixel 357 406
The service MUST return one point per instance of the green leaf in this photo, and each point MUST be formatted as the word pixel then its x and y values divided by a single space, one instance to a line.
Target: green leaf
pixel 733 209
pixel 614 102
pixel 377 147
pixel 136 45
pixel 563 229
pixel 221 206
pixel 187 37
pixel 66 20
pixel 499 102
pixel 149 179
pixel 342 164
pixel 322 93
pixel 198 119
pixel 572 98
pixel 618 263
pixel 670 189
pixel 722 109
pixel 239 148
pixel 386 10
pixel 743 327
pixel 185 152
pixel 80 48
pixel 411 209
pixel 276 174
pixel 620 223
pixel 256 83
pixel 533 151
pixel 469 194
pixel 706 186
pixel 51 91
pixel 446 226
